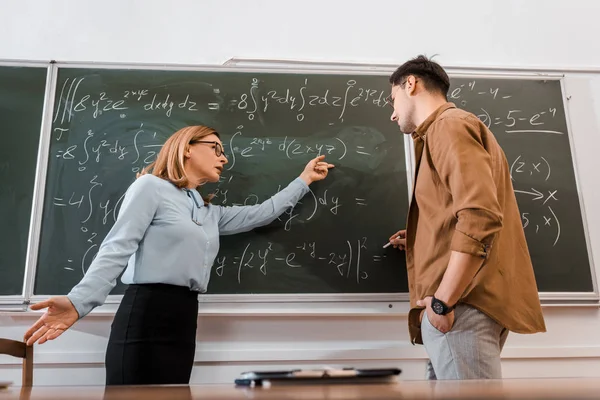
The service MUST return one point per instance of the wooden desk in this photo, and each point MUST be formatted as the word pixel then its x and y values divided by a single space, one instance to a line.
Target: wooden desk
pixel 505 389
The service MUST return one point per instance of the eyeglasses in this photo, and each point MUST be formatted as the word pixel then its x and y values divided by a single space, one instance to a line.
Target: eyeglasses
pixel 389 101
pixel 218 146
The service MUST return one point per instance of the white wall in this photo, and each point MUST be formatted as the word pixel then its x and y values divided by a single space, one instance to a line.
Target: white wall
pixel 465 32
pixel 536 33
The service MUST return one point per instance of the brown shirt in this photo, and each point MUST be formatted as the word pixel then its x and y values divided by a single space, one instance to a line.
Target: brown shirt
pixel 463 200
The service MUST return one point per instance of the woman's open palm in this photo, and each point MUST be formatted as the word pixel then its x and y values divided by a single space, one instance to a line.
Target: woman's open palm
pixel 59 317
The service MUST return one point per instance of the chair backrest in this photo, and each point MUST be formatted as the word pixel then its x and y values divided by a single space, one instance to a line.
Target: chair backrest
pixel 20 349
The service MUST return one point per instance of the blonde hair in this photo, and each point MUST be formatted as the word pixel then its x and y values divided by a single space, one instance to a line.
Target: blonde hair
pixel 169 162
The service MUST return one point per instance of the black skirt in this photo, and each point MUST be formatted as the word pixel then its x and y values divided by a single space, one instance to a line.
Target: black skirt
pixel 153 336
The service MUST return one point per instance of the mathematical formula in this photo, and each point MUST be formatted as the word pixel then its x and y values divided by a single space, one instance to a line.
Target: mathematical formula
pixel 543 215
pixel 345 263
pixel 74 100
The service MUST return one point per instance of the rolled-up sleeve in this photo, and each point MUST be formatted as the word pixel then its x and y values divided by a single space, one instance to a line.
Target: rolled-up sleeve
pixel 465 169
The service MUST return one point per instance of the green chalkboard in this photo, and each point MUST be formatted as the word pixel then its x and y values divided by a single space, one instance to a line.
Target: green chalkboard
pixel 107 124
pixel 21 104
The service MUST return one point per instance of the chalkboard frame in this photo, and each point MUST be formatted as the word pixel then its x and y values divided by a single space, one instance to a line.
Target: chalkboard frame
pixel 11 302
pixel 595 294
pixel 371 302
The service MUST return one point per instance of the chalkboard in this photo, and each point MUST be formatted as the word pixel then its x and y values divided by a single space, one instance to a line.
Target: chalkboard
pixel 21 104
pixel 107 124
pixel 528 119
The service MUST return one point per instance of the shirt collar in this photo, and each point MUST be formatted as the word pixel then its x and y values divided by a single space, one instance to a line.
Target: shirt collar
pixel 195 196
pixel 422 129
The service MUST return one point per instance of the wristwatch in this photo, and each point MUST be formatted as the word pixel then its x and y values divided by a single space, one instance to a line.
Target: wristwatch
pixel 439 307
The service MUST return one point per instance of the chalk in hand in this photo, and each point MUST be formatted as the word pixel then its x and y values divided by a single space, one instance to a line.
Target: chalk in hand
pixel 389 243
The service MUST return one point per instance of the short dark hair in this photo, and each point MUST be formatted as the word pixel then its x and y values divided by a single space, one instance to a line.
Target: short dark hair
pixel 431 73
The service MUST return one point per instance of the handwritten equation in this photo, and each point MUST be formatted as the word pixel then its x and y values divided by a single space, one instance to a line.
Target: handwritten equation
pixel 141 149
pixel 345 263
pixel 297 100
pixel 511 120
pixel 542 201
pixel 259 99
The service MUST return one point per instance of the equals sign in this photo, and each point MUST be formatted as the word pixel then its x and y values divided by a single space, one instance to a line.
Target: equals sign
pixel 213 106
pixel 359 151
pixel 69 268
pixel 359 202
pixel 376 258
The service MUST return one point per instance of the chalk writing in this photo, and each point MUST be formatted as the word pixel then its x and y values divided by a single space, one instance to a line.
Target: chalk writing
pixel 109 125
pixel 539 202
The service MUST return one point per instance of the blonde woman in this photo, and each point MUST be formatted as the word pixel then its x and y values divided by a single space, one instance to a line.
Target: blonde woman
pixel 168 238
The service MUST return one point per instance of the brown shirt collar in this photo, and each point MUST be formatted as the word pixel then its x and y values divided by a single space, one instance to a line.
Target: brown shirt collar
pixel 422 129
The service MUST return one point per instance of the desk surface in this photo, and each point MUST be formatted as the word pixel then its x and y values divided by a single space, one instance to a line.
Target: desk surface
pixel 567 388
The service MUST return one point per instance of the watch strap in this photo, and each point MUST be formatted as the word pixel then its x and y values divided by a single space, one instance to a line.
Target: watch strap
pixel 447 308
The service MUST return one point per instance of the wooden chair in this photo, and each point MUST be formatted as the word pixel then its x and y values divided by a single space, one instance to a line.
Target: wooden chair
pixel 20 349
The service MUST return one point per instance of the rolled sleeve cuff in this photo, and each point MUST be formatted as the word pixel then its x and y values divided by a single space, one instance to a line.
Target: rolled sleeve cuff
pixel 464 243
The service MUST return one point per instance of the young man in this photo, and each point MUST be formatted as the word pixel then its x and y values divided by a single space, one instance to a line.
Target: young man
pixel 470 275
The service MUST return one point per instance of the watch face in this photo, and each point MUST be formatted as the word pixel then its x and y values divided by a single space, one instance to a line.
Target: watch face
pixel 437 308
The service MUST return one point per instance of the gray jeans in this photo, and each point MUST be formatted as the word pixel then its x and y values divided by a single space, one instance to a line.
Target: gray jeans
pixel 471 350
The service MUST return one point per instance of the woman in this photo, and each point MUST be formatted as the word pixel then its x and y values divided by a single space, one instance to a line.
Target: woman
pixel 168 238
